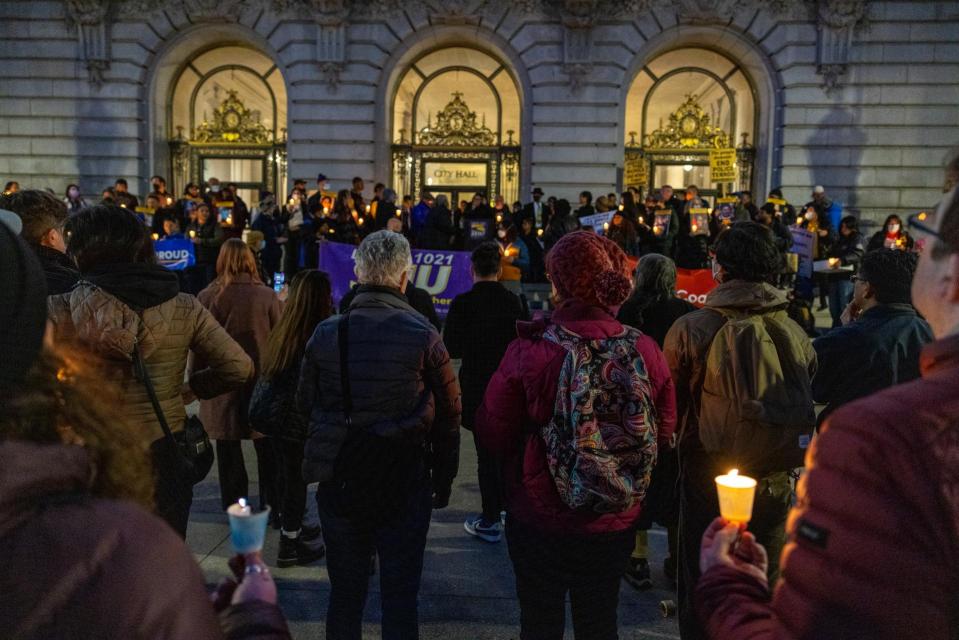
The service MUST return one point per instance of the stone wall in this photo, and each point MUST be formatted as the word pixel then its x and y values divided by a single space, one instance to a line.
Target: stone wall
pixel 858 96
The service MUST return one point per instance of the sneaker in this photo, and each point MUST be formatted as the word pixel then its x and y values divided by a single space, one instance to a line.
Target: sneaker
pixel 296 552
pixel 669 568
pixel 490 532
pixel 637 574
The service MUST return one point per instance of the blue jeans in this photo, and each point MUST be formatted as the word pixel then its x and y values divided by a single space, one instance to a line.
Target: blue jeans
pixel 349 549
pixel 840 295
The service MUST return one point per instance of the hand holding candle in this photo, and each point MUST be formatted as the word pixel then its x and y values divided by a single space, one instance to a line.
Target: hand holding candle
pixel 247 529
pixel 736 494
pixel 833 263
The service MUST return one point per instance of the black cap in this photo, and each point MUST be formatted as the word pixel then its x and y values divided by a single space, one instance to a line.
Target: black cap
pixel 23 308
pixel 321 177
pixel 776 193
pixel 537 191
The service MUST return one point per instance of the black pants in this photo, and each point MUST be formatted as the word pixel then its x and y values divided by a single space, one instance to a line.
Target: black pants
pixel 699 505
pixel 173 498
pixel 548 566
pixel 491 490
pixel 292 487
pixel 234 482
pixel 349 548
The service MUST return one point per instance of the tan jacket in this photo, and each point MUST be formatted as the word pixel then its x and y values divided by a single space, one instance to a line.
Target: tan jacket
pixel 688 341
pixel 95 321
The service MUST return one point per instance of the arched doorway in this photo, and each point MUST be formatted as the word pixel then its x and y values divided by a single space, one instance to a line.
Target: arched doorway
pixel 226 119
pixel 456 130
pixel 680 106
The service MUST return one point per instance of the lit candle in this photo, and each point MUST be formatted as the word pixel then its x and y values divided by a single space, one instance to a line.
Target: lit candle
pixel 292 201
pixel 241 509
pixel 247 529
pixel 833 263
pixel 123 206
pixel 605 226
pixel 798 220
pixel 169 200
pixel 156 236
pixel 326 210
pixel 499 218
pixel 621 207
pixel 539 232
pixel 695 228
pixel 657 230
pixel 361 221
pixel 229 219
pixel 399 213
pixel 367 208
pixel 736 494
pixel 192 233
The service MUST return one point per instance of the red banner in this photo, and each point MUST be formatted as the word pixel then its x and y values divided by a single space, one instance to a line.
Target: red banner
pixel 694 284
pixel 691 284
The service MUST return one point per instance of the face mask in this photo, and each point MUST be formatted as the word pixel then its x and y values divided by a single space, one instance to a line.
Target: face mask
pixel 810 215
pixel 215 188
pixel 74 193
pixel 501 233
pixel 262 245
pixel 324 186
pixel 894 228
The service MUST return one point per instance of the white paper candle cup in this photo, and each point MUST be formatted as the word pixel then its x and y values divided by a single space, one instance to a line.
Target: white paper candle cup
pixel 736 494
pixel 247 529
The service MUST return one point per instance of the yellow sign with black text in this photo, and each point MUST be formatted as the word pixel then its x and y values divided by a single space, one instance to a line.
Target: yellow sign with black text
pixel 635 173
pixel 722 165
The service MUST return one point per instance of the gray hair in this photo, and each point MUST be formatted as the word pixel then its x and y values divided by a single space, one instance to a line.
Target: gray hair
pixel 382 259
pixel 442 201
pixel 655 277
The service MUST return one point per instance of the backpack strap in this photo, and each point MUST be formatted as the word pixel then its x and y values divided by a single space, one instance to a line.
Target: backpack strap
pixel 343 340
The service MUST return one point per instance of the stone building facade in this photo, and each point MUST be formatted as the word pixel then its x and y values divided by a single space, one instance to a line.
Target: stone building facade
pixel 501 95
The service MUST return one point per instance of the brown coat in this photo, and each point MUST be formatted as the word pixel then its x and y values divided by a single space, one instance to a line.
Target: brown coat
pixel 248 311
pixel 96 321
pixel 77 566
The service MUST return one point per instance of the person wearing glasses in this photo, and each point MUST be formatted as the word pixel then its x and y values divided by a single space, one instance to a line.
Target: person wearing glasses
pixel 882 336
pixel 872 548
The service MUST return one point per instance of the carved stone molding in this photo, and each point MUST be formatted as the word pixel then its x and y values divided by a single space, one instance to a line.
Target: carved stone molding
pixel 836 23
pixel 91 19
pixel 708 11
pixel 197 10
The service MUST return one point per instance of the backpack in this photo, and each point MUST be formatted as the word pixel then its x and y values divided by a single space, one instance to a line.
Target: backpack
pixel 601 440
pixel 757 405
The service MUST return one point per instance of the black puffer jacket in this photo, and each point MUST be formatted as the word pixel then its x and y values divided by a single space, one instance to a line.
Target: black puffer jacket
pixel 395 357
pixel 60 271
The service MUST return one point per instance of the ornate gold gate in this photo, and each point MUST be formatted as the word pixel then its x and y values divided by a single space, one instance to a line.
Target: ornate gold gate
pixel 458 155
pixel 233 147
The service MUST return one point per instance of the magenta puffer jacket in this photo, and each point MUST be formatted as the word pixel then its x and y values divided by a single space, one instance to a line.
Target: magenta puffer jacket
pixel 519 401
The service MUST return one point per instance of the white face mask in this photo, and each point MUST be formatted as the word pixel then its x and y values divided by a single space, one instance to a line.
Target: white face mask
pixel 894 228
pixel 810 215
pixel 215 188
pixel 501 233
pixel 324 186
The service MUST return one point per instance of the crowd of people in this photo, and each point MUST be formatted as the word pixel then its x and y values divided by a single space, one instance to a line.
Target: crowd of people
pixel 592 423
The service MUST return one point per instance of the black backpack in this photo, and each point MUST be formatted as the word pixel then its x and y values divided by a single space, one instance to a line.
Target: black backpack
pixel 375 474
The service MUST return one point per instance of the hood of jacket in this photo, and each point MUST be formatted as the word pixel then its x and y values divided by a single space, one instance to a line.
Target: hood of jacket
pixel 31 472
pixel 106 307
pixel 746 296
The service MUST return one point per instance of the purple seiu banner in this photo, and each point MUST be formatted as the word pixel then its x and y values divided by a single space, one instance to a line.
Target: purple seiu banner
pixel 442 274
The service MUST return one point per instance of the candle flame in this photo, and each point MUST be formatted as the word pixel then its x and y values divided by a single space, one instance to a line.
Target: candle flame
pixel 539 232
pixel 242 502
pixel 156 236
pixel 923 216
pixel 733 472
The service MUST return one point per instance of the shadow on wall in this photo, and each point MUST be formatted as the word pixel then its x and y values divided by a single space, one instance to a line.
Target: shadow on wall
pixel 102 147
pixel 837 144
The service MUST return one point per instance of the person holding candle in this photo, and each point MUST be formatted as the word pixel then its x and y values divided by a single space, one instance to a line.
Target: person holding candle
pixel 269 222
pixel 557 549
pixel 872 546
pixel 846 251
pixel 775 361
pixel 123 197
pixel 208 236
pixel 384 407
pixel 515 257
pixel 529 236
pixel 882 336
pixel 125 300
pixel 74 200
pixel 344 224
pixel 891 236
pixel 359 204
pixel 623 232
pixel 75 496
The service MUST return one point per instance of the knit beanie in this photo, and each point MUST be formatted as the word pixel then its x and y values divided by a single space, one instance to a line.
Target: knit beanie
pixel 589 268
pixel 23 308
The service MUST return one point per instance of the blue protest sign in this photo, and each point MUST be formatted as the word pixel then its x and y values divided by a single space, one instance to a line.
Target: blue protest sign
pixel 175 252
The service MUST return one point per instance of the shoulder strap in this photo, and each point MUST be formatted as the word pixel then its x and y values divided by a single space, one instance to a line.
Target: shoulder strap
pixel 141 371
pixel 343 339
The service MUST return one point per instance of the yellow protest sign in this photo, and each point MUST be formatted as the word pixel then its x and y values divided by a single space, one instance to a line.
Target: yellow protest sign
pixel 776 201
pixel 722 165
pixel 635 172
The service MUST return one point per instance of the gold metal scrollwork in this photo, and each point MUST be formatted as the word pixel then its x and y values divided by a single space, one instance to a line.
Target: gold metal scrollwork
pixel 688 128
pixel 233 123
pixel 456 126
